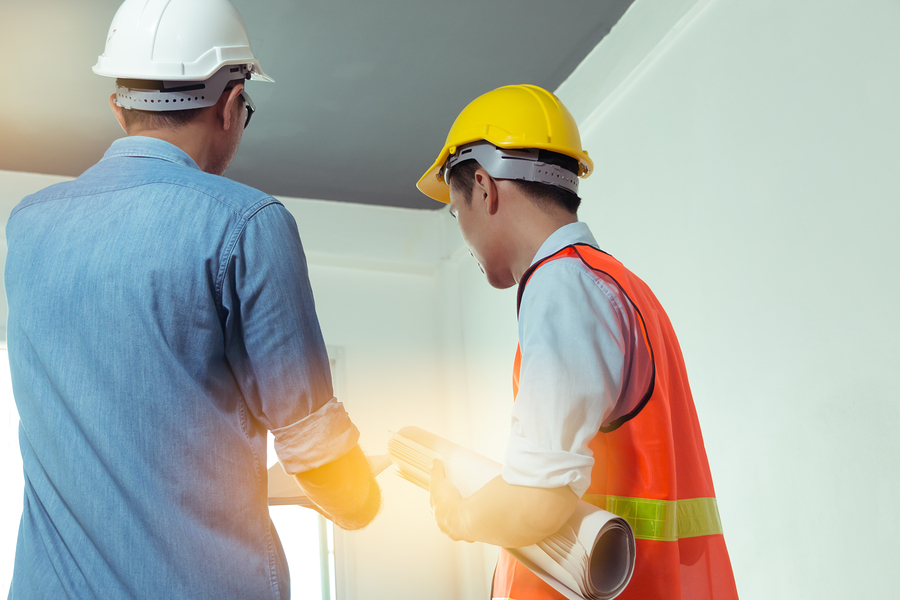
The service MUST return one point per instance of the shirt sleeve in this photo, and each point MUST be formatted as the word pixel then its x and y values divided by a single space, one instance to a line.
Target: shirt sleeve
pixel 275 346
pixel 573 338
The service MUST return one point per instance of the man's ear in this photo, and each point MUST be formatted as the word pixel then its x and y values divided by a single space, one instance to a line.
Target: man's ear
pixel 117 110
pixel 226 107
pixel 485 191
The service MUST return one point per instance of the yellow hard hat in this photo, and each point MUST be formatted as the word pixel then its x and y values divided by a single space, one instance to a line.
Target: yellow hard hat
pixel 510 117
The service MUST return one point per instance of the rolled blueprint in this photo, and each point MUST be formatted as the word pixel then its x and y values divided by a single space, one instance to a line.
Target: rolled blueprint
pixel 591 557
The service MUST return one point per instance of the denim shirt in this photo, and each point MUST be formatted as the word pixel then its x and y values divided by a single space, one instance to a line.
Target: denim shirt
pixel 160 321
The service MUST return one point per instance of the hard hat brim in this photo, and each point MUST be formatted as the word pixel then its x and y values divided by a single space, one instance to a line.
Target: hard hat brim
pixel 105 69
pixel 256 74
pixel 431 186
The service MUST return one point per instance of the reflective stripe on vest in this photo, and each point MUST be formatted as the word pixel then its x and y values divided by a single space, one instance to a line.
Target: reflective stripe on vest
pixel 663 520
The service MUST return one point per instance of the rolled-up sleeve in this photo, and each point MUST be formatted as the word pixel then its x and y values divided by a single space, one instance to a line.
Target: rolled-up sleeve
pixel 274 344
pixel 573 352
pixel 300 445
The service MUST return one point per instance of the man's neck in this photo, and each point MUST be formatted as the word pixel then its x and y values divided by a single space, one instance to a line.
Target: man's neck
pixel 192 140
pixel 534 229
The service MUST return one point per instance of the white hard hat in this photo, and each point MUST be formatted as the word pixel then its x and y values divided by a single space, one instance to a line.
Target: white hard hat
pixel 177 42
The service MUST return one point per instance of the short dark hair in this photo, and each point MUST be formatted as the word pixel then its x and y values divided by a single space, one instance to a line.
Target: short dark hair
pixel 160 119
pixel 462 179
pixel 164 119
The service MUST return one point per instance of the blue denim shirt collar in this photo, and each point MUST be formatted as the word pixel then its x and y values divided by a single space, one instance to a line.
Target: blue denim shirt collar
pixel 148 147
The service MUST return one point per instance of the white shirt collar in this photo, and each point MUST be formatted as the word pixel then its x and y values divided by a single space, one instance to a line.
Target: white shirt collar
pixel 573 233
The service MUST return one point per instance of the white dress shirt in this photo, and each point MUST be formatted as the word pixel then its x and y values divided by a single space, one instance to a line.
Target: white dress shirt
pixel 584 365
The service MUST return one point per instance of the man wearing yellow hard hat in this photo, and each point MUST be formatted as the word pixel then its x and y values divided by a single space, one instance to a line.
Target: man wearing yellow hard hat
pixel 603 409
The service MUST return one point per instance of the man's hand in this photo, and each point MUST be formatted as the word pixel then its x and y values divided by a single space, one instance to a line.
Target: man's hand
pixel 344 490
pixel 510 516
pixel 445 500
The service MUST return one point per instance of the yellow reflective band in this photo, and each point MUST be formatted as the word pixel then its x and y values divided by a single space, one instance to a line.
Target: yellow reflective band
pixel 663 520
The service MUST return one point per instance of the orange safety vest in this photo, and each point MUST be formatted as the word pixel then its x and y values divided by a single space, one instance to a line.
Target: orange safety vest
pixel 650 468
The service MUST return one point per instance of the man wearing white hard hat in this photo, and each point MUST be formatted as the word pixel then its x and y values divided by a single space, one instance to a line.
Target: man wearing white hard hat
pixel 161 321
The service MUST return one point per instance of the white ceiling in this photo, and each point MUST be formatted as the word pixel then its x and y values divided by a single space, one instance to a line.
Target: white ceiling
pixel 364 95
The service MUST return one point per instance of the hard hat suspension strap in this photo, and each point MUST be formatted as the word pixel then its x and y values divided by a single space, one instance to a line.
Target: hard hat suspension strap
pixel 177 95
pixel 519 165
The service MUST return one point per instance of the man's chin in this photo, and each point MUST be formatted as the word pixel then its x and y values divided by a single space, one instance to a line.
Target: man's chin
pixel 501 283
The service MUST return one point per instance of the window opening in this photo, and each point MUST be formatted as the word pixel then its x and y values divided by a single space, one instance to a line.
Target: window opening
pixel 308 537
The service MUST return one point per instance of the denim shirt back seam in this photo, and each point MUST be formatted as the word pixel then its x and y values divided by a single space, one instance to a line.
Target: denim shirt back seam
pixel 68 195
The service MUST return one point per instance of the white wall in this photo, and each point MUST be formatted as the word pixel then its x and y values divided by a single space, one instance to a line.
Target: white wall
pixel 373 272
pixel 747 170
